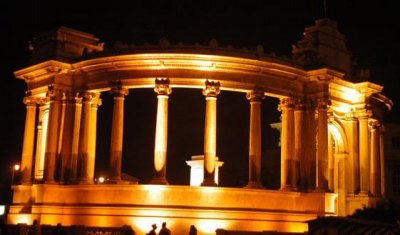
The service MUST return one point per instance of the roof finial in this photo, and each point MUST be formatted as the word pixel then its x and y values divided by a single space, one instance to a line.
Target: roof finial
pixel 325 9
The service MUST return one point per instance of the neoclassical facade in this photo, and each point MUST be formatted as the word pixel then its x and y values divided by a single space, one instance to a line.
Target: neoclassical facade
pixel 332 158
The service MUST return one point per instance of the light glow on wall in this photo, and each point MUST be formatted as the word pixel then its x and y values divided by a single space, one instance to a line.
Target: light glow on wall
pixel 208 226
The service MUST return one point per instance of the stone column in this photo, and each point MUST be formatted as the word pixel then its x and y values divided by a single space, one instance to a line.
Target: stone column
pixel 255 98
pixel 29 139
pixel 96 102
pixel 287 144
pixel 364 154
pixel 308 163
pixel 299 135
pixel 382 159
pixel 322 150
pixel 70 138
pixel 353 161
pixel 41 138
pixel 85 157
pixel 52 135
pixel 162 89
pixel 375 174
pixel 331 164
pixel 210 91
pixel 119 93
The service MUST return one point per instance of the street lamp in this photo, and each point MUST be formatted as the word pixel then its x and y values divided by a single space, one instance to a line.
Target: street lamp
pixel 15 168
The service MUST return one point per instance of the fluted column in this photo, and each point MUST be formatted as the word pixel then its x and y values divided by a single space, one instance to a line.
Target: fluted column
pixel 86 149
pixel 162 89
pixel 52 135
pixel 375 170
pixel 255 98
pixel 287 144
pixel 29 138
pixel 382 159
pixel 119 93
pixel 364 154
pixel 210 91
pixel 322 151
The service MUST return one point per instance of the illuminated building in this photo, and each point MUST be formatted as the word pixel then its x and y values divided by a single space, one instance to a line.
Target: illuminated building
pixel 332 159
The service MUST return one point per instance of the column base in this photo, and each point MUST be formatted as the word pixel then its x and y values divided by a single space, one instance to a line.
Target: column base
pixel 254 185
pixel 288 188
pixel 210 183
pixel 26 182
pixel 364 194
pixel 321 190
pixel 85 181
pixel 159 181
pixel 50 182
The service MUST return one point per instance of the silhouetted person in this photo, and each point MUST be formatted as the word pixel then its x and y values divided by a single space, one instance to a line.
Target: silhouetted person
pixel 3 227
pixel 164 230
pixel 193 230
pixel 35 228
pixel 58 230
pixel 153 230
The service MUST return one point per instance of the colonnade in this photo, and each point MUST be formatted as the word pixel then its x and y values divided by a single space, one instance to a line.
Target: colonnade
pixel 306 145
pixel 71 135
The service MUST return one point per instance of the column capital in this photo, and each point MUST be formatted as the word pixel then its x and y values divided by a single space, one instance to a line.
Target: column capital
pixel 364 113
pixel 53 93
pixel 30 101
pixel 117 89
pixel 373 123
pixel 96 100
pixel 256 95
pixel 162 86
pixel 286 103
pixel 322 103
pixel 211 89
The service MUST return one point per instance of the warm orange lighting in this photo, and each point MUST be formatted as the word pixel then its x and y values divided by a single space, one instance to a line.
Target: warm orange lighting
pixel 351 95
pixel 209 226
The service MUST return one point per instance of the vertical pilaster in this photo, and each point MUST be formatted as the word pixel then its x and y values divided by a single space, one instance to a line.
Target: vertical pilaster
pixel 52 134
pixel 210 91
pixel 29 139
pixel 364 154
pixel 322 151
pixel 287 144
pixel 119 93
pixel 162 89
pixel 255 98
pixel 375 172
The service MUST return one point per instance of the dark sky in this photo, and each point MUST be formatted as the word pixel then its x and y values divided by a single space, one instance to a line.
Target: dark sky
pixel 371 27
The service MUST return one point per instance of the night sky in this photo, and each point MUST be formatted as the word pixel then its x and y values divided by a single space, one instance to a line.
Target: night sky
pixel 371 27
